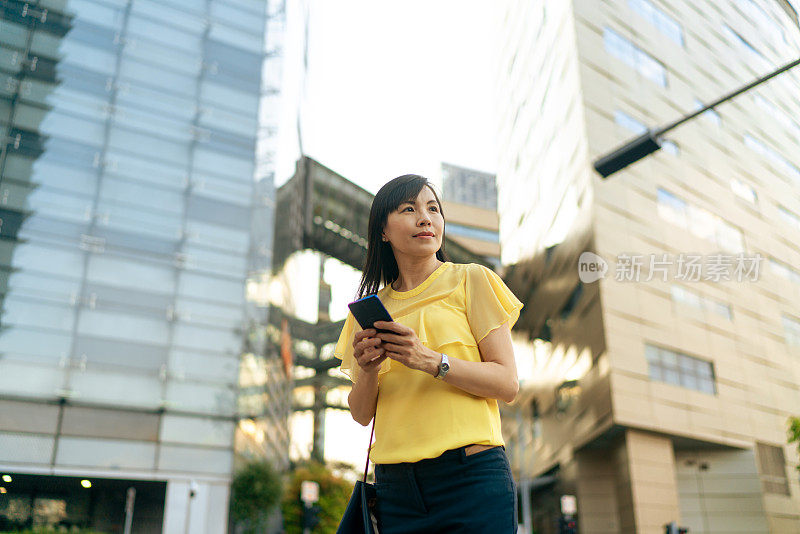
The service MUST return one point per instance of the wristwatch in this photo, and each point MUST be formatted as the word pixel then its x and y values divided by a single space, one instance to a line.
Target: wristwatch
pixel 443 367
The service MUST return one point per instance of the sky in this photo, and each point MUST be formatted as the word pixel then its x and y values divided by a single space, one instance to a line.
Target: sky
pixel 391 88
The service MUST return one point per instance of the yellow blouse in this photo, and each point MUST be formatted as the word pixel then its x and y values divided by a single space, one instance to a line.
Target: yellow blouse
pixel 419 416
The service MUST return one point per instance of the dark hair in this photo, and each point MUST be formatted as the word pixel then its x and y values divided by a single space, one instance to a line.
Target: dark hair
pixel 381 265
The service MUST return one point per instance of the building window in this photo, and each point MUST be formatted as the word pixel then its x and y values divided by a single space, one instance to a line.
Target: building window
pixel 658 18
pixel 789 217
pixel 671 208
pixel 770 29
pixel 779 115
pixel 691 298
pixel 698 221
pixel 744 191
pixel 629 123
pixel 711 115
pixel 670 147
pixel 774 157
pixel 736 38
pixel 680 369
pixel 791 330
pixel 772 469
pixel 784 271
pixel 474 233
pixel 644 63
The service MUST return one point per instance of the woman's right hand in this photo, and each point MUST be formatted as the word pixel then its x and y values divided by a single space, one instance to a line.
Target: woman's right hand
pixel 367 350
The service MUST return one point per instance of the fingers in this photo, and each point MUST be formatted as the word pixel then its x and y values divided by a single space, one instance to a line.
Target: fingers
pixel 391 338
pixel 361 334
pixel 365 344
pixel 394 327
pixel 393 349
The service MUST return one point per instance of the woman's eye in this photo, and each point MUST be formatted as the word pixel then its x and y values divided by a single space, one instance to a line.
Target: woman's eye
pixel 434 208
pixel 408 208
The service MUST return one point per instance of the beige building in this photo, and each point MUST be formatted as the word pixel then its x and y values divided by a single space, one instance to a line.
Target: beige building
pixel 469 199
pixel 659 391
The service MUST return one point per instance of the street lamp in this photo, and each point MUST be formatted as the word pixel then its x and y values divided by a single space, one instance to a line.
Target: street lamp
pixel 650 141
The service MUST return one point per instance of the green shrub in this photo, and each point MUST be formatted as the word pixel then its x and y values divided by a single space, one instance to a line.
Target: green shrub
pixel 255 489
pixel 334 492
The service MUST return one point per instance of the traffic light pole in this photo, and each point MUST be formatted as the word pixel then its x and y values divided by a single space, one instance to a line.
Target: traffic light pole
pixel 650 141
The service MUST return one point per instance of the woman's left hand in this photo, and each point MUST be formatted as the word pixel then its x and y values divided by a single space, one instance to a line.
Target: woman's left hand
pixel 405 347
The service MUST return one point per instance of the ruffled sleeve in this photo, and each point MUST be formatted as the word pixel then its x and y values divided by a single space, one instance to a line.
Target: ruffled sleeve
pixel 344 349
pixel 489 302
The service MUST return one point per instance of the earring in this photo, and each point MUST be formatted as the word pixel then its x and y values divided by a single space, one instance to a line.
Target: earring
pixel 383 238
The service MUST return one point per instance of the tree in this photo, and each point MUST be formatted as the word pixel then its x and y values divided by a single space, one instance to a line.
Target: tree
pixel 255 489
pixel 334 493
pixel 794 433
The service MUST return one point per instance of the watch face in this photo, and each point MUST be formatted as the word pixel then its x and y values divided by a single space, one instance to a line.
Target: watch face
pixel 445 367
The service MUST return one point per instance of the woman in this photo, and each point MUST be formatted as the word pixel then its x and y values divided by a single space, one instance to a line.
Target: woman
pixel 433 380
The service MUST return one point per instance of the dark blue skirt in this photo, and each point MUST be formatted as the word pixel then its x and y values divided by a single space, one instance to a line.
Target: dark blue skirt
pixel 451 493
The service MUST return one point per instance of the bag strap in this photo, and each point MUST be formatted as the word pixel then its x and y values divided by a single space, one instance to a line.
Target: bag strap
pixel 369 447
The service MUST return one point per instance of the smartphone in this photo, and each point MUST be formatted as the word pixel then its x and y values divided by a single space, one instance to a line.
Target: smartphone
pixel 369 309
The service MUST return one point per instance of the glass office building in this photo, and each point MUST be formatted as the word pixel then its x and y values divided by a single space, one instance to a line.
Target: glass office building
pixel 128 190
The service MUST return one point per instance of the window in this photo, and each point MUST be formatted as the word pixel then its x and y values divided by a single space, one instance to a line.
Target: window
pixel 791 330
pixel 769 28
pixel 670 147
pixel 774 157
pixel 672 208
pixel 711 115
pixel 474 233
pixel 696 300
pixel 644 63
pixel 741 41
pixel 784 271
pixel 772 469
pixel 658 18
pixel 629 123
pixel 789 217
pixel 680 369
pixel 776 113
pixel 700 222
pixel 744 191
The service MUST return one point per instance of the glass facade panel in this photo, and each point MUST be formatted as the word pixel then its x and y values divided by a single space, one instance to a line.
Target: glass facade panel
pixel 34 344
pixel 177 458
pixel 123 327
pixel 203 366
pixel 211 288
pixel 25 448
pixel 123 388
pixel 105 453
pixel 121 272
pixel 203 398
pixel 196 430
pixel 114 424
pixel 196 337
pixel 27 312
pixel 25 377
pixel 146 28
pixel 28 417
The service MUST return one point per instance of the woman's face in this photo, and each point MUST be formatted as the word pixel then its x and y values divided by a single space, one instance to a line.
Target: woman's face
pixel 416 227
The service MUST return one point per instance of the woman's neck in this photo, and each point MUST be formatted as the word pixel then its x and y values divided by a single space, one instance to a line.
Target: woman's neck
pixel 414 271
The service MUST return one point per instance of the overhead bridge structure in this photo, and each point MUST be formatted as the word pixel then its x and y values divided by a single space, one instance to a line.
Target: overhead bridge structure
pixel 318 209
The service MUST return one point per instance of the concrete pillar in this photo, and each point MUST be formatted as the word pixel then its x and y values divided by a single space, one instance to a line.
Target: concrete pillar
pixel 596 490
pixel 647 489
